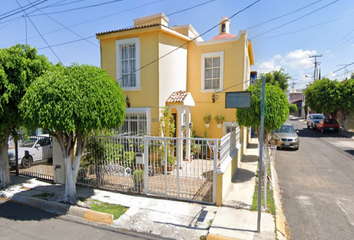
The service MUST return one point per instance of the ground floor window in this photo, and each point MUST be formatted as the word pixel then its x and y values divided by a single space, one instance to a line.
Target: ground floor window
pixel 136 123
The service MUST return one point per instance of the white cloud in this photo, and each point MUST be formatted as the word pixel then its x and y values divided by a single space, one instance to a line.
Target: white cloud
pixel 331 76
pixel 298 59
pixel 268 66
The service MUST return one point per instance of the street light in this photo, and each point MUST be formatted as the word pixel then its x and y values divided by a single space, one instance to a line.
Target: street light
pixel 310 77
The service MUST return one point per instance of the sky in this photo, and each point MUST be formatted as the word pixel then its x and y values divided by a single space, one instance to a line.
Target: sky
pixel 284 33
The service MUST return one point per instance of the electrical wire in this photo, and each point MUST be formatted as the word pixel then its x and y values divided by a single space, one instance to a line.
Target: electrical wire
pixel 40 33
pixel 92 20
pixel 80 8
pixel 294 20
pixel 1 18
pixel 284 15
pixel 67 28
pixel 18 9
pixel 303 29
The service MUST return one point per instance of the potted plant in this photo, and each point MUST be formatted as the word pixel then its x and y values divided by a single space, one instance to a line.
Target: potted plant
pixel 138 179
pixel 207 119
pixel 219 119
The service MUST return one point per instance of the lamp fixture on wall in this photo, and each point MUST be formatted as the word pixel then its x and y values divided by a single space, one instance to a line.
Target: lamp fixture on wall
pixel 127 102
pixel 214 96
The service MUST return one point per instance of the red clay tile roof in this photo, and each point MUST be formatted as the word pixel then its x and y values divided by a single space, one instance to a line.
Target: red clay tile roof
pixel 223 36
pixel 127 29
pixel 177 97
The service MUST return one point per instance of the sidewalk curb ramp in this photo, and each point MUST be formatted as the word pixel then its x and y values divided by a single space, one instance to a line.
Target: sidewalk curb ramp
pixel 280 219
pixel 59 208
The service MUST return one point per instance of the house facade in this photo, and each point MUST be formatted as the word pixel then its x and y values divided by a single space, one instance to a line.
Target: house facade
pixel 157 66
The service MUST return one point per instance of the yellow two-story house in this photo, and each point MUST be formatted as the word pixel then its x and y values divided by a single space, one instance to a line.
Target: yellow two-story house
pixel 158 65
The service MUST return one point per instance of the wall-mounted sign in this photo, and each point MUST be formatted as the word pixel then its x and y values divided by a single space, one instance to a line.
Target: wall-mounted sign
pixel 238 99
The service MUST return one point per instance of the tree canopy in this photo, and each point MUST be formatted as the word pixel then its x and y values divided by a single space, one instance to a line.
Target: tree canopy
pixel 330 97
pixel 73 101
pixel 19 66
pixel 292 108
pixel 277 78
pixel 276 111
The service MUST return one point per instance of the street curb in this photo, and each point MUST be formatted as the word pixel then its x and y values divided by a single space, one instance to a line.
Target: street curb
pixel 280 220
pixel 58 208
pixel 211 236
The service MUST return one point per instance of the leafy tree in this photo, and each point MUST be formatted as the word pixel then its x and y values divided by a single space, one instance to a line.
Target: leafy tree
pixel 323 96
pixel 73 101
pixel 167 124
pixel 275 114
pixel 19 66
pixel 346 100
pixel 292 108
pixel 277 78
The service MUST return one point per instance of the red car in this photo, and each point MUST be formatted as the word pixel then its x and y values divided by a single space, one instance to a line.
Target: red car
pixel 328 125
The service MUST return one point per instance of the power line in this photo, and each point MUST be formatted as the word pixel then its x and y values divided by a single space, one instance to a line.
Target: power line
pixel 66 28
pixel 340 69
pixel 18 9
pixel 80 8
pixel 284 15
pixel 40 33
pixel 217 25
pixel 183 10
pixel 303 29
pixel 92 20
pixel 1 18
pixel 294 20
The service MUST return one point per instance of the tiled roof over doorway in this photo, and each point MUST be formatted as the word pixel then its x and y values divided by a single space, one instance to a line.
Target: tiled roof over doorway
pixel 176 97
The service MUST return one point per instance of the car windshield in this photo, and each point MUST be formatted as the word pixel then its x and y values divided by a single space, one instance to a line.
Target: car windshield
pixel 330 121
pixel 318 117
pixel 285 129
pixel 29 142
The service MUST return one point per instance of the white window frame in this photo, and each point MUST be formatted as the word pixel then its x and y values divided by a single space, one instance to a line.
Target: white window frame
pixel 148 116
pixel 211 55
pixel 119 43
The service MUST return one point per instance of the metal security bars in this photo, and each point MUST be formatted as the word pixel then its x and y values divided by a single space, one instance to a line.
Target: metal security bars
pixel 181 168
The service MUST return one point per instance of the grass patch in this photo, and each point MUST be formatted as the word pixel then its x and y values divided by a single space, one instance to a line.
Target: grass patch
pixel 115 210
pixel 44 195
pixel 270 199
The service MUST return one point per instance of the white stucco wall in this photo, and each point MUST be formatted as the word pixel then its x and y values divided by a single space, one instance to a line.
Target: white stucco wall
pixel 58 163
pixel 172 71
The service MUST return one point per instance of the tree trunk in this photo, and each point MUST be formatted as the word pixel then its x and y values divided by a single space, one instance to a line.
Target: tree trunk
pixel 4 164
pixel 70 184
pixel 345 120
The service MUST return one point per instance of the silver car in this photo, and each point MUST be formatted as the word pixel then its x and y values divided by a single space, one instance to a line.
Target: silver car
pixel 286 137
pixel 313 119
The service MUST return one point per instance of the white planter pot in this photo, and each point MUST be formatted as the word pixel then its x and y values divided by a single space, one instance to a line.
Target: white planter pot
pixel 207 125
pixel 219 125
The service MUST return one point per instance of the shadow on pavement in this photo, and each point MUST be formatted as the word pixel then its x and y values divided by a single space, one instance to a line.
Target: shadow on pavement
pixel 37 195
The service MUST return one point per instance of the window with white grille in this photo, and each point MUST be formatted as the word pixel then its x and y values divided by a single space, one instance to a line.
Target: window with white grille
pixel 128 64
pixel 212 71
pixel 136 123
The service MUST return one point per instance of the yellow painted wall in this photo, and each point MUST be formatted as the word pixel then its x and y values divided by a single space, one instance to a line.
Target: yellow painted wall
pixel 224 180
pixel 234 55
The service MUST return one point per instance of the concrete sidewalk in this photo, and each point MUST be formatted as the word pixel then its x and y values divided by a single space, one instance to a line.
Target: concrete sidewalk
pixel 166 218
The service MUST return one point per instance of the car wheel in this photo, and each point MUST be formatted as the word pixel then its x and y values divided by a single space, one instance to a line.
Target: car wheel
pixel 308 126
pixel 313 127
pixel 26 162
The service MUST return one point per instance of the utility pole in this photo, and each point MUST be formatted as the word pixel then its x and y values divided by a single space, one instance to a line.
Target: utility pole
pixel 315 73
pixel 345 74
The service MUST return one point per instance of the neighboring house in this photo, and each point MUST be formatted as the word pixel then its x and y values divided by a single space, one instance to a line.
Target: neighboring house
pixel 296 97
pixel 159 66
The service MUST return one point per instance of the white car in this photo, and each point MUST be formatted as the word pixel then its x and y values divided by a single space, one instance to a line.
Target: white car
pixel 313 119
pixel 36 148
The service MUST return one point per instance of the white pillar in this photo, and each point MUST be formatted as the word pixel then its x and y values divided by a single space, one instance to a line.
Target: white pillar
pixel 188 133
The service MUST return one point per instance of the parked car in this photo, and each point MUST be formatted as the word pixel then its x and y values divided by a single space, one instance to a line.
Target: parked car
pixel 286 137
pixel 313 119
pixel 34 149
pixel 328 125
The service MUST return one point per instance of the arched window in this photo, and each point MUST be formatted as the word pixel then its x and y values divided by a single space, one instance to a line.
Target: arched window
pixel 223 28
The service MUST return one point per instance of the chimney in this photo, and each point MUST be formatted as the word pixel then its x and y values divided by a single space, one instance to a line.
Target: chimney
pixel 158 18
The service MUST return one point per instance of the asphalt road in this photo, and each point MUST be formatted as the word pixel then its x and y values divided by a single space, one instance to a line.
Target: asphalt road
pixel 22 222
pixel 317 184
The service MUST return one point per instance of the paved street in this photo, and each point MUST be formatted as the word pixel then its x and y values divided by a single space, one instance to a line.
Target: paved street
pixel 317 185
pixel 22 222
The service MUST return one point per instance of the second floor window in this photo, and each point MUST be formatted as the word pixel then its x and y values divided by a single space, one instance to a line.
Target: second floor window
pixel 212 73
pixel 128 65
